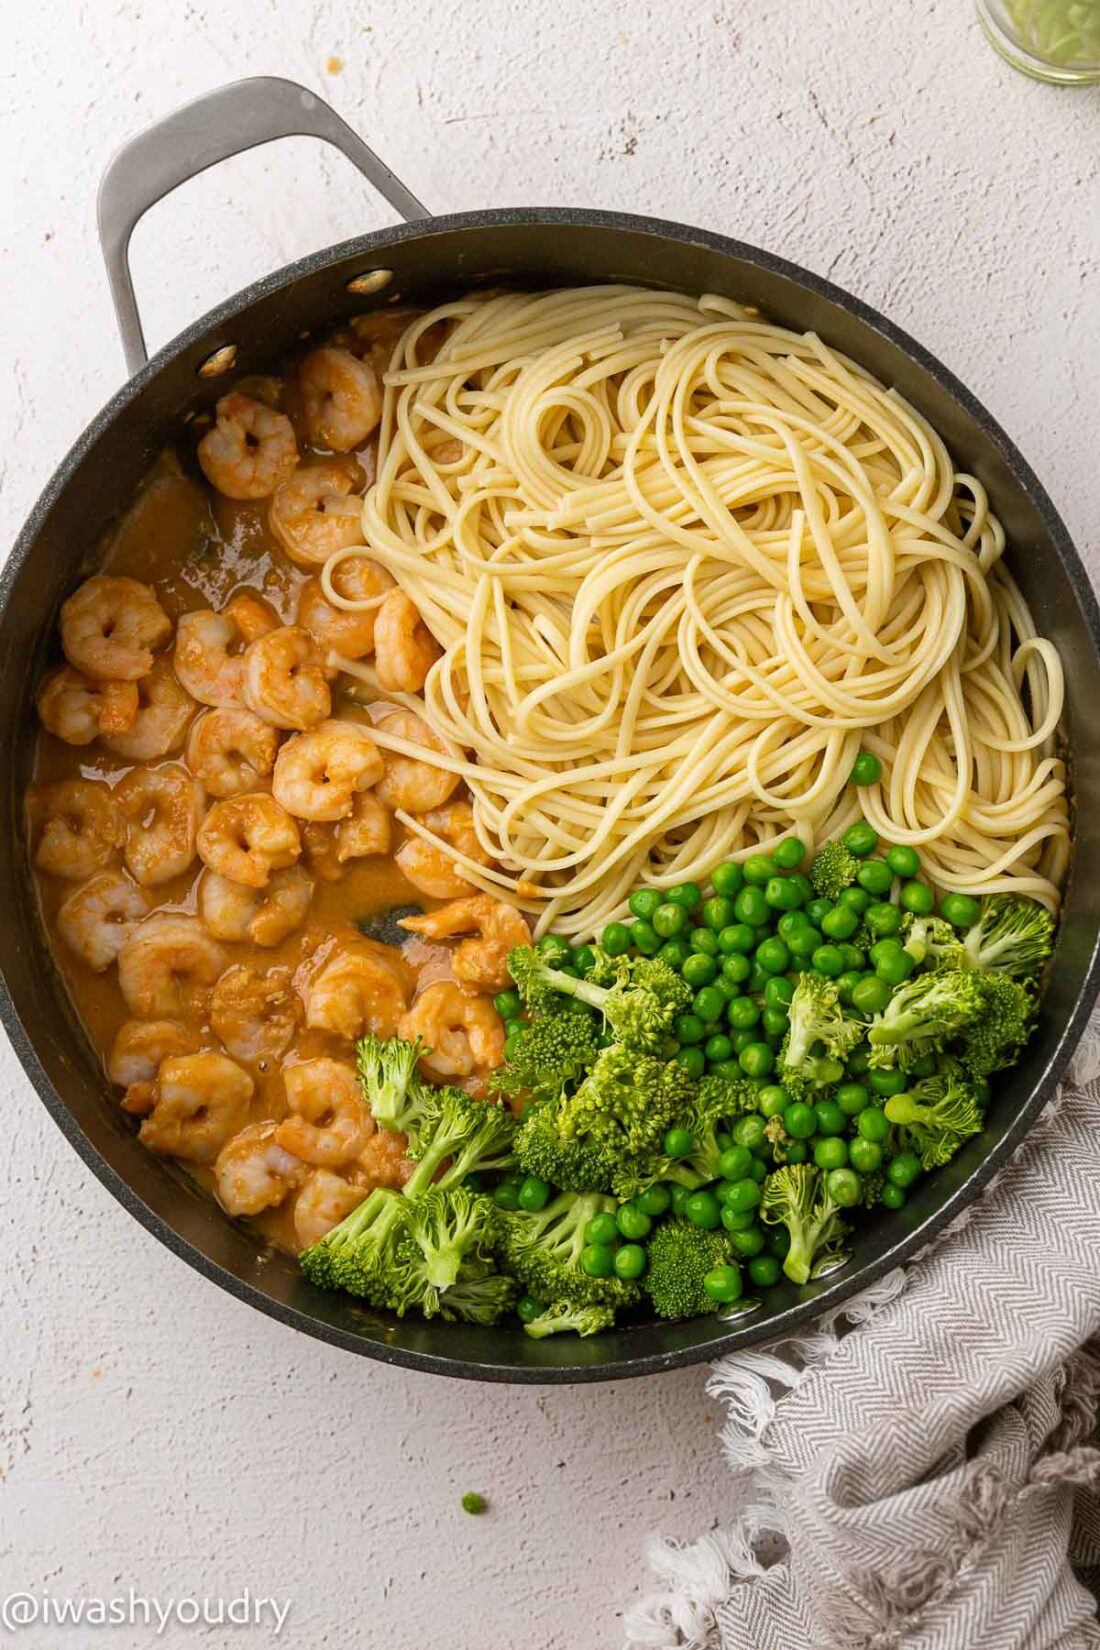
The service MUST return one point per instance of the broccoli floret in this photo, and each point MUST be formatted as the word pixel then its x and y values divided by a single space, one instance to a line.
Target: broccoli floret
pixel 1013 935
pixel 387 1071
pixel 480 1299
pixel 361 1253
pixel 476 1135
pixel 715 1101
pixel 553 1053
pixel 562 1318
pixel 924 1014
pixel 680 1255
pixel 449 1229
pixel 638 997
pixel 1001 1027
pixel 833 870
pixel 937 1115
pixel 871 1188
pixel 817 1017
pixel 543 1250
pixel 797 1198
pixel 932 943
pixel 580 1164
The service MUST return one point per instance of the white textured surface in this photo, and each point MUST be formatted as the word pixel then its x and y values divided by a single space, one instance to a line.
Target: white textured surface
pixel 152 1431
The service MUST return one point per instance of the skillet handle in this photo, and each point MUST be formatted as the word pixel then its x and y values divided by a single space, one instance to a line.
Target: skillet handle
pixel 185 143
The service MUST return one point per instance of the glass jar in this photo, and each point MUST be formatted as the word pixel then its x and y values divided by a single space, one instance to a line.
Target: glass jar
pixel 1053 40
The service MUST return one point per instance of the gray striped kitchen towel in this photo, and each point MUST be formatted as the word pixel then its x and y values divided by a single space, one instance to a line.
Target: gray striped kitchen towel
pixel 923 1473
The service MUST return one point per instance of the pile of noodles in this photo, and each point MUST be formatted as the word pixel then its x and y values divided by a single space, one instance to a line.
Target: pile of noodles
pixel 684 565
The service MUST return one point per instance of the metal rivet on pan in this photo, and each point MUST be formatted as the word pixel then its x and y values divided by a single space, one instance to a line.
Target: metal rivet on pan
pixel 221 361
pixel 371 280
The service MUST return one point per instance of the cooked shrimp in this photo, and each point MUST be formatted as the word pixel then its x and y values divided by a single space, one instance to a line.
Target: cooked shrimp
pixel 78 709
pixel 323 1202
pixel 464 1032
pixel 318 774
pixel 355 992
pixel 210 646
pixel 408 784
pixel 318 510
pixel 404 648
pixel 111 627
pixel 252 615
pixel 230 911
pixel 141 1045
pixel 284 679
pixel 254 1012
pixel 99 917
pixel 81 826
pixel 329 1123
pixel 250 451
pixel 231 750
pixel 341 397
pixel 162 713
pixel 253 1172
pixel 481 961
pixel 366 831
pixel 201 1102
pixel 429 868
pixel 166 964
pixel 383 1161
pixel 247 837
pixel 347 631
pixel 162 808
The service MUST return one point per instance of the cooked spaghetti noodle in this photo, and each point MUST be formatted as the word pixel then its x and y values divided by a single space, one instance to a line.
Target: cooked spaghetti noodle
pixel 684 565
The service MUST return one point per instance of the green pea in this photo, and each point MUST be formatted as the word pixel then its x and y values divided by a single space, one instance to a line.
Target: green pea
pixel 774 1100
pixel 737 1220
pixel 678 1143
pixel 840 923
pixel 736 940
pixel 699 969
pixel 842 1185
pixel 959 910
pixel 728 1070
pixel 852 1098
pixel 736 969
pixel 727 879
pixel 817 909
pixel 883 920
pixel 764 1271
pixel 718 1049
pixel 602 1229
pixel 506 1195
pixel 734 1163
pixel 717 913
pixel 743 1194
pixel 917 897
pixel 528 1309
pixel 778 993
pixel 873 1124
pixel 886 1083
pixel 747 1243
pixel 866 769
pixel 799 1120
pixel 703 1209
pixel 533 1194
pixel 871 995
pixel 750 1131
pixel 856 899
pixel 615 939
pixel 894 969
pixel 554 950
pixel 584 959
pixel 514 1028
pixel 758 868
pixel 831 1120
pixel 875 876
pixel 678 1196
pixel 903 1170
pixel 688 1028
pixel 831 1153
pixel 633 1222
pixel 741 1039
pixel 693 1060
pixel 781 894
pixel 804 942
pixel 854 958
pixel 903 860
pixel 846 984
pixel 789 853
pixel 597 1260
pixel 645 937
pixel 727 988
pixel 705 942
pixel 742 1014
pixel 924 1067
pixel 790 922
pixel 758 979
pixel 773 955
pixel 686 894
pixel 860 839
pixel 776 1021
pixel 828 960
pixel 675 953
pixel 508 1005
pixel 511 1046
pixel 630 1261
pixel 750 906
pixel 805 887
pixel 757 1060
pixel 669 920
pixel 644 901
pixel 654 1201
pixel 723 1285
pixel 709 1005
pixel 891 1196
pixel 865 1156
